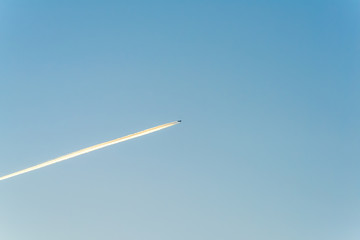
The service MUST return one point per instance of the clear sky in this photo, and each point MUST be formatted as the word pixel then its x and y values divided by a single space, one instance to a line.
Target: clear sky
pixel 268 92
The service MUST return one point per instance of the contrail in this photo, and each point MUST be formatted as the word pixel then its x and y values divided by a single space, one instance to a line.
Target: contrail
pixel 90 149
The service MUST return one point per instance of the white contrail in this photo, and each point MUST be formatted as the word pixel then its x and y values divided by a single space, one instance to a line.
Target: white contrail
pixel 90 149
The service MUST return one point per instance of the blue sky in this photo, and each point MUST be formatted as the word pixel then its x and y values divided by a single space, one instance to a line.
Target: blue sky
pixel 268 92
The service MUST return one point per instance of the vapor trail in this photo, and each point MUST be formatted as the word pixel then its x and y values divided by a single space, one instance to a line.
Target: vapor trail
pixel 90 149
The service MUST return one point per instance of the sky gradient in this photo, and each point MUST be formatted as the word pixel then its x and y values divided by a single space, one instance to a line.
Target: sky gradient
pixel 268 92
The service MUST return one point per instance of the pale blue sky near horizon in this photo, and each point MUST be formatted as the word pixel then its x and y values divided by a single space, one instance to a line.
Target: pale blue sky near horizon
pixel 268 92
